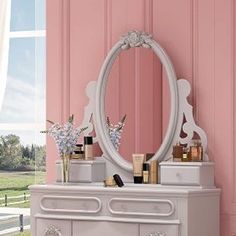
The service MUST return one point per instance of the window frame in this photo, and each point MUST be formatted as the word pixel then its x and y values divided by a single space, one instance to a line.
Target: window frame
pixel 25 126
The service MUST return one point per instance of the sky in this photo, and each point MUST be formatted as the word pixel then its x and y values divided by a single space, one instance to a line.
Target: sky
pixel 24 100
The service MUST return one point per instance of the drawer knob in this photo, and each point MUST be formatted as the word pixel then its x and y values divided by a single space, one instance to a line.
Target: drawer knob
pixel 157 234
pixel 178 175
pixel 52 231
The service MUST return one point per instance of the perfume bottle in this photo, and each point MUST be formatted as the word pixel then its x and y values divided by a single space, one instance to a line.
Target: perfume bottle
pixel 196 151
pixel 200 149
pixel 78 152
pixel 177 152
pixel 153 174
pixel 145 173
pixel 186 157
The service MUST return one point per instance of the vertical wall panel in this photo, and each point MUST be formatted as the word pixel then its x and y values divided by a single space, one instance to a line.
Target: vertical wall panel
pixel 233 68
pixel 223 117
pixel 172 28
pixel 57 71
pixel 87 37
pixel 204 82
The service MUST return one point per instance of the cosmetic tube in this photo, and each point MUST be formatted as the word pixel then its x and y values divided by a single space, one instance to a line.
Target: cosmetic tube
pixel 118 180
pixel 138 160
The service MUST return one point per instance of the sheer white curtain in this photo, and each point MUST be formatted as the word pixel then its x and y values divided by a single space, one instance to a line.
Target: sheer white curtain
pixel 5 15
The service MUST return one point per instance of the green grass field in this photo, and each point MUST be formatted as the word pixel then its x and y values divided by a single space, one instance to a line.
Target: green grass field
pixel 16 183
pixel 26 233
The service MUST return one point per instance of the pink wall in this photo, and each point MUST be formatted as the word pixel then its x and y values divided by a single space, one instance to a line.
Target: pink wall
pixel 198 35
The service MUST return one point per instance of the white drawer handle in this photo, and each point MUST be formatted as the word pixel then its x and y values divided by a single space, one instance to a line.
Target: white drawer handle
pixel 157 234
pixel 134 213
pixel 63 210
pixel 52 230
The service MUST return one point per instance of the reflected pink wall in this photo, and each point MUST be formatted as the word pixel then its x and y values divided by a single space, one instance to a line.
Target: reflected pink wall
pixel 134 89
pixel 199 37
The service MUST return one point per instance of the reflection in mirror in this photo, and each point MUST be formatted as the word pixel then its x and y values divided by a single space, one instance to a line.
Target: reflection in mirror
pixel 138 88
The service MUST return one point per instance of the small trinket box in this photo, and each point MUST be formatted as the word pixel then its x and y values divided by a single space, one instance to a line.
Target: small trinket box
pixel 83 171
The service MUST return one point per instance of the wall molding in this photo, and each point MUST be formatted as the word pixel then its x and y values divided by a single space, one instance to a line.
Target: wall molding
pixel 233 4
pixel 137 100
pixel 194 52
pixel 65 59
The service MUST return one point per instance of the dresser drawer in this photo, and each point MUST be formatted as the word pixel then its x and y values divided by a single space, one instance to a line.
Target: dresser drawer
pixel 159 230
pixel 100 228
pixel 191 174
pixel 47 227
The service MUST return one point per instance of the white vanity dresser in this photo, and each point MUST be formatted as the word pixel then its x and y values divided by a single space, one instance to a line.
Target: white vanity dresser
pixel 131 210
pixel 186 203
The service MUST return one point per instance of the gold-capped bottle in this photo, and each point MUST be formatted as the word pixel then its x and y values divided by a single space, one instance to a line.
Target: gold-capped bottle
pixel 153 172
pixel 145 173
pixel 186 157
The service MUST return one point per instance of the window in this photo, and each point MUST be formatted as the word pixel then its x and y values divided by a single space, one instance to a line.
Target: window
pixel 24 102
pixel 22 114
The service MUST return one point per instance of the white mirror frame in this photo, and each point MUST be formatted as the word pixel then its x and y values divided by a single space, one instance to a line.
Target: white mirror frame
pixel 134 39
pixel 180 108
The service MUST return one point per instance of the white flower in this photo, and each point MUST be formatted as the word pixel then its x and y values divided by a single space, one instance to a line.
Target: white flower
pixel 115 132
pixel 65 136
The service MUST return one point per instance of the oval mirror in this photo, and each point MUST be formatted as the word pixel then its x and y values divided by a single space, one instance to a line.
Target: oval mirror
pixel 138 105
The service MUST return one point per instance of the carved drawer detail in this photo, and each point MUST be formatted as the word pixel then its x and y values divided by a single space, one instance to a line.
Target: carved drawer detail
pixel 157 234
pixel 52 227
pixel 52 231
pixel 141 207
pixel 159 229
pixel 70 204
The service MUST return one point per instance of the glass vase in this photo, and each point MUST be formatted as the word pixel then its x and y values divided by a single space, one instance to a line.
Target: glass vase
pixel 65 168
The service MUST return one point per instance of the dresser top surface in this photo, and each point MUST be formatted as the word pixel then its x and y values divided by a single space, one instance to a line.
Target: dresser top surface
pixel 128 188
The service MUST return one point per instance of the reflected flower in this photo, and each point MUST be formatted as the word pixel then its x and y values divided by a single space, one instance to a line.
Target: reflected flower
pixel 115 131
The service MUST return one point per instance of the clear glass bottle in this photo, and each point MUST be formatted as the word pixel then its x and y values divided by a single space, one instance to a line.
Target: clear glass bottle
pixel 200 150
pixel 196 151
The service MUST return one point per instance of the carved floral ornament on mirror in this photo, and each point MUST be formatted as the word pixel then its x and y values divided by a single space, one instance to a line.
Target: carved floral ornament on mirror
pixel 181 112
